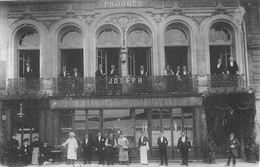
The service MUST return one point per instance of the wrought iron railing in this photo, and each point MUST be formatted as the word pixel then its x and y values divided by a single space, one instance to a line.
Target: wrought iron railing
pixel 227 80
pixel 125 85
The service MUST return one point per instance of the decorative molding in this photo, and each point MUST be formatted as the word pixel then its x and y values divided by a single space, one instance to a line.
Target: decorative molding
pixel 198 19
pixel 89 19
pixel 220 11
pixel 69 15
pixel 17 8
pixel 176 12
pixel 124 20
pixel 53 7
pixel 157 17
pixel 48 23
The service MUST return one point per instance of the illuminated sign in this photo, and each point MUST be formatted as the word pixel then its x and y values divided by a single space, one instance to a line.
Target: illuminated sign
pixel 123 3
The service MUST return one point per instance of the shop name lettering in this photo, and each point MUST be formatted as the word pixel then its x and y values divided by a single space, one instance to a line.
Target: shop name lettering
pixel 124 80
pixel 118 4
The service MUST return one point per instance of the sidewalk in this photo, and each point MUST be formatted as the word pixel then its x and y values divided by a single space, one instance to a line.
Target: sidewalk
pixel 220 163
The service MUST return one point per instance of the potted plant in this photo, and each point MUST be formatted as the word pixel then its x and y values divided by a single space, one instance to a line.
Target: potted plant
pixel 211 149
pixel 251 147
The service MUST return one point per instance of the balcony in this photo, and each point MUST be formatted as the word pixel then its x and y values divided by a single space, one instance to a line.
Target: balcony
pixel 105 86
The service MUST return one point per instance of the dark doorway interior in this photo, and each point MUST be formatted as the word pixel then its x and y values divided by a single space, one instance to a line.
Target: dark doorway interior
pixel 33 58
pixel 72 58
pixel 176 56
pixel 218 52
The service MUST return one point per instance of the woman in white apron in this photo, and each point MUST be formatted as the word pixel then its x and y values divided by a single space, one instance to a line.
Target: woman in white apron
pixel 143 145
pixel 36 145
pixel 72 147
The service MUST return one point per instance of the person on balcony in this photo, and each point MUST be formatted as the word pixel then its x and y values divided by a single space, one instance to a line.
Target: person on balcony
pixel 76 88
pixel 233 145
pixel 36 145
pixel 185 79
pixel 29 75
pixel 143 145
pixel 65 84
pixel 232 67
pixel 110 149
pixel 25 152
pixel 184 146
pixel 123 149
pixel 100 148
pixel 113 74
pixel 220 69
pixel 100 80
pixel 162 142
pixel 87 145
pixel 142 87
pixel 169 79
pixel 72 148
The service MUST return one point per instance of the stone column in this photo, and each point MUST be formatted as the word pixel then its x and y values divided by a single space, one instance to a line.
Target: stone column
pixel 124 67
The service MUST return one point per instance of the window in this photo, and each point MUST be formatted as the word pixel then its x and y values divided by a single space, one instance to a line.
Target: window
pixel 139 37
pixel 108 37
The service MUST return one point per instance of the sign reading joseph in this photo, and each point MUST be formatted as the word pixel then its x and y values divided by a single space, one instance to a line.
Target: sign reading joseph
pixel 122 3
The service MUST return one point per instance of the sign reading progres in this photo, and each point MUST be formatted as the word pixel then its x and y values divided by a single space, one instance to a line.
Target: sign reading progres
pixel 122 3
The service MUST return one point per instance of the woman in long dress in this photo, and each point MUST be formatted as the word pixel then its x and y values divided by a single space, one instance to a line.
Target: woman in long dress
pixel 36 145
pixel 72 147
pixel 143 145
pixel 123 149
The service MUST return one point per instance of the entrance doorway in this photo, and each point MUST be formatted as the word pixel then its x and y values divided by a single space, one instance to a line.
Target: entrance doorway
pixel 108 57
pixel 137 57
pixel 219 52
pixel 31 57
pixel 72 58
pixel 176 56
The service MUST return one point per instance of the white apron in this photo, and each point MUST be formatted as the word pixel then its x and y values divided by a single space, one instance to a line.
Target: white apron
pixel 72 148
pixel 143 154
pixel 35 156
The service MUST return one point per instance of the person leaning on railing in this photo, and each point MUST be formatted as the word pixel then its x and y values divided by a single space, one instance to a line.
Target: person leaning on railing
pixel 100 80
pixel 232 69
pixel 76 88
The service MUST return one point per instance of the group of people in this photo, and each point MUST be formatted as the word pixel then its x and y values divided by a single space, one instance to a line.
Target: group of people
pixel 232 67
pixel 35 153
pixel 106 148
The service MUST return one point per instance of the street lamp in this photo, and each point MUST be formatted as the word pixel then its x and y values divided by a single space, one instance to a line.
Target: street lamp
pixel 21 114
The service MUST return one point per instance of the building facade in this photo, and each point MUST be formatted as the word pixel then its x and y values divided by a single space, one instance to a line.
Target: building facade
pixel 43 43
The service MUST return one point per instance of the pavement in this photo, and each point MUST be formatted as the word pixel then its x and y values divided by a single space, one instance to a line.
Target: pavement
pixel 220 163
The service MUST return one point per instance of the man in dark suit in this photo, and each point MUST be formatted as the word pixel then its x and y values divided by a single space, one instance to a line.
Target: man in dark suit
pixel 184 146
pixel 77 86
pixel 232 67
pixel 220 69
pixel 113 74
pixel 100 148
pixel 87 145
pixel 162 142
pixel 28 72
pixel 233 145
pixel 45 153
pixel 100 80
pixel 26 152
pixel 142 87
pixel 12 151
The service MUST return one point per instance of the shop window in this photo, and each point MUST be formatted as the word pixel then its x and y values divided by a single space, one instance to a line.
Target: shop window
pixel 141 123
pixel 119 121
pixel 80 123
pixel 93 122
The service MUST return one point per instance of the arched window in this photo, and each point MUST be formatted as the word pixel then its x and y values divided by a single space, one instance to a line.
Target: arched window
pixel 176 45
pixel 71 38
pixel 139 37
pixel 71 50
pixel 108 37
pixel 175 36
pixel 221 46
pixel 28 50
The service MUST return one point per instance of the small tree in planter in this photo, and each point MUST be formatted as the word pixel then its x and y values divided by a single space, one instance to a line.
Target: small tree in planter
pixel 251 148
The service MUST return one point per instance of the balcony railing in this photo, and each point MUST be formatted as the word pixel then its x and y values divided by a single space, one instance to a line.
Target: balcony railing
pixel 226 80
pixel 125 85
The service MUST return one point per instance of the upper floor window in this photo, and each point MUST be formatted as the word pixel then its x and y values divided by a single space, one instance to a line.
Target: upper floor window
pixel 108 37
pixel 175 36
pixel 71 38
pixel 219 34
pixel 139 37
pixel 29 38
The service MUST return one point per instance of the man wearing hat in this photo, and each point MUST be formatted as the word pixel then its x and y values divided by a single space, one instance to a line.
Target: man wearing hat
pixel 184 146
pixel 12 151
pixel 233 144
pixel 45 153
pixel 162 142
pixel 100 148
pixel 26 152
pixel 72 147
